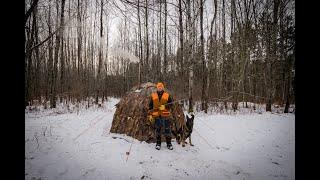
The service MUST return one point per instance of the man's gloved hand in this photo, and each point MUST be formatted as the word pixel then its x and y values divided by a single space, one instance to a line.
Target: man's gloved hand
pixel 150 118
pixel 162 107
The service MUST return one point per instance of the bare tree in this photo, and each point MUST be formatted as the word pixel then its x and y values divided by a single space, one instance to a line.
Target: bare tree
pixel 165 61
pixel 147 40
pixel 30 10
pixel 141 64
pixel 181 40
pixel 190 54
pixel 62 60
pixel 56 56
pixel 204 99
pixel 273 52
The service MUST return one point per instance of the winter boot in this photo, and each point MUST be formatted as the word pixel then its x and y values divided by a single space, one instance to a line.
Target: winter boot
pixel 169 145
pixel 158 144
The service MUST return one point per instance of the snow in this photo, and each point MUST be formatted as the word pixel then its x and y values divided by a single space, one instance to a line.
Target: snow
pixel 77 145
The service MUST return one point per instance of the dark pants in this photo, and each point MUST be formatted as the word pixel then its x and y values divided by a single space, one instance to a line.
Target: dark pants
pixel 162 126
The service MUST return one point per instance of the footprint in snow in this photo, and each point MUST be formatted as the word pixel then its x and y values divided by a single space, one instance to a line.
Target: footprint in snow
pixel 225 148
pixel 63 173
pixel 145 177
pixel 281 175
pixel 30 158
pixel 275 163
pixel 89 170
pixel 222 148
pixel 237 172
pixel 34 178
pixel 155 161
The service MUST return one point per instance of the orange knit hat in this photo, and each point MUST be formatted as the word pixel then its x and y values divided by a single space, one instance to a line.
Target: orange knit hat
pixel 160 85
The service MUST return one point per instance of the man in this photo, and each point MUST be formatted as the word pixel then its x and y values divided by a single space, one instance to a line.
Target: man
pixel 159 109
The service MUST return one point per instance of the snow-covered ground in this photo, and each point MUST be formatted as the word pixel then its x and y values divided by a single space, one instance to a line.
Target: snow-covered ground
pixel 77 145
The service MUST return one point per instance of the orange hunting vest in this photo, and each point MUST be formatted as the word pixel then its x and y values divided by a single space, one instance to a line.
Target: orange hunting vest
pixel 156 105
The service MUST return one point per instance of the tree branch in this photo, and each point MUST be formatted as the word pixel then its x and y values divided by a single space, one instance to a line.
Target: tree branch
pixel 45 40
pixel 50 36
pixel 30 10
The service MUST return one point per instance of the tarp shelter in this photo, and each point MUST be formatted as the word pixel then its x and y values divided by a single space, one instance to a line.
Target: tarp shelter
pixel 131 116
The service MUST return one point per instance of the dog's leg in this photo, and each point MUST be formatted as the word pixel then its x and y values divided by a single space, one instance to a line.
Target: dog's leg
pixel 183 139
pixel 183 143
pixel 190 141
pixel 178 138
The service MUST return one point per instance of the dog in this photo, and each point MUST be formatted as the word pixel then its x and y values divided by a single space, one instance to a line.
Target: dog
pixel 184 131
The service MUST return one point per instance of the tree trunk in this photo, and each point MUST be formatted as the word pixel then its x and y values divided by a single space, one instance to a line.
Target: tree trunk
pixel 98 85
pixel 106 66
pixel 50 59
pixel 141 64
pixel 286 108
pixel 190 55
pixel 273 53
pixel 181 41
pixel 62 60
pixel 56 56
pixel 28 54
pixel 147 42
pixel 204 104
pixel 165 63
pixel 159 75
pixel 79 32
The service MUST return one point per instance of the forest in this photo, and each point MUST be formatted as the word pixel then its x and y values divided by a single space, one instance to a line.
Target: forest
pixel 205 51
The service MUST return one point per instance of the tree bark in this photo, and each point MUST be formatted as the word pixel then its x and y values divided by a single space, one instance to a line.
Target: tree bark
pixel 147 41
pixel 62 60
pixel 29 41
pixel 141 64
pixel 98 85
pixel 273 53
pixel 30 10
pixel 50 58
pixel 204 104
pixel 165 63
pixel 56 56
pixel 79 50
pixel 190 55
pixel 181 41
